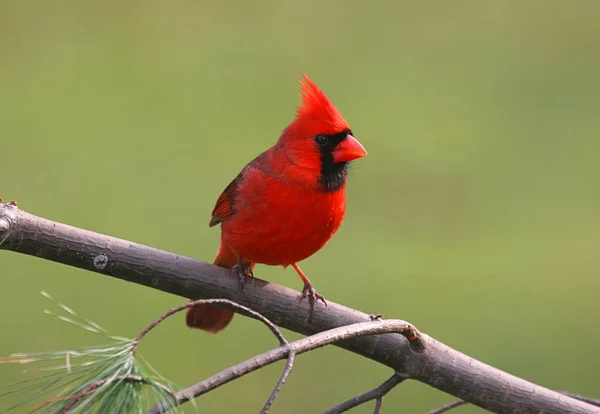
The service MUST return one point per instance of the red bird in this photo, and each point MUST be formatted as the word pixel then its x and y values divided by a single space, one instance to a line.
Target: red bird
pixel 287 202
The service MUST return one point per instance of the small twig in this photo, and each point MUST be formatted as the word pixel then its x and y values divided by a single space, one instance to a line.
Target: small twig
pixel 458 403
pixel 378 405
pixel 242 309
pixel 229 303
pixel 286 372
pixel 593 401
pixel 321 339
pixel 448 407
pixel 376 393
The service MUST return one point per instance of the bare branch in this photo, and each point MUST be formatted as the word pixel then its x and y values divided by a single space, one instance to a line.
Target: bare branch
pixel 246 311
pixel 299 347
pixel 231 304
pixel 291 356
pixel 458 403
pixel 448 407
pixel 378 405
pixel 375 394
pixel 593 401
pixel 439 366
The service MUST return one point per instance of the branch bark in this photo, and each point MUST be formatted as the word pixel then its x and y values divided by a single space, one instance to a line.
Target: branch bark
pixel 438 365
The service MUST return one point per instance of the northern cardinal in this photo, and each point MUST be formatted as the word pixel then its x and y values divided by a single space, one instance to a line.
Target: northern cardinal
pixel 287 202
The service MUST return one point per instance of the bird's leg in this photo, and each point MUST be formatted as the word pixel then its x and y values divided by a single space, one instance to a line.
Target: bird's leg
pixel 308 291
pixel 243 271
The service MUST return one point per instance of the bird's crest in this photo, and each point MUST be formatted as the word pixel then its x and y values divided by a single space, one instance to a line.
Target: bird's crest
pixel 317 112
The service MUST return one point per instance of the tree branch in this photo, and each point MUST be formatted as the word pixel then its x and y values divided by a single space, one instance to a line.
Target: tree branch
pixel 439 365
pixel 447 407
pixel 376 393
pixel 457 403
pixel 231 304
pixel 290 352
pixel 301 346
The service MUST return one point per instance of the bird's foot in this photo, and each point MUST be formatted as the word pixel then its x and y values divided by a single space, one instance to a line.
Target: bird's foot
pixel 313 297
pixel 242 272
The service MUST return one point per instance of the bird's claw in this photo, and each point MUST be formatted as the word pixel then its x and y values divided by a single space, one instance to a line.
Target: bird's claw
pixel 313 297
pixel 242 272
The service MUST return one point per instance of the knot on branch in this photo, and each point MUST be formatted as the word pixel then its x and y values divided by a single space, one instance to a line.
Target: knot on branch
pixel 414 337
pixel 8 212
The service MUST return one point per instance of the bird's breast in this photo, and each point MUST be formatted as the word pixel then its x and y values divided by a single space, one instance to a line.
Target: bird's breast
pixel 278 224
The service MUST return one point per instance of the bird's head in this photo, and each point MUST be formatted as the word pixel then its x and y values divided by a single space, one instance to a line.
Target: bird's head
pixel 320 139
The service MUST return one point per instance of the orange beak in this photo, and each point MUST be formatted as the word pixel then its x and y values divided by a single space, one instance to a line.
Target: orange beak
pixel 348 150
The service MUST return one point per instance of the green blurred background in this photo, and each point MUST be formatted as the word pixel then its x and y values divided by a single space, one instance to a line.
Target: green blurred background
pixel 475 215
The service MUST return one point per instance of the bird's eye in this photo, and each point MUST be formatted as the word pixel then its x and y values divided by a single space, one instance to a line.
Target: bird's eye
pixel 321 139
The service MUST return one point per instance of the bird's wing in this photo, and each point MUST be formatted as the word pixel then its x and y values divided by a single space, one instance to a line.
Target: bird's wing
pixel 224 206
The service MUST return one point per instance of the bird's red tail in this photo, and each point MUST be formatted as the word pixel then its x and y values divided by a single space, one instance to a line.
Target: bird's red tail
pixel 211 318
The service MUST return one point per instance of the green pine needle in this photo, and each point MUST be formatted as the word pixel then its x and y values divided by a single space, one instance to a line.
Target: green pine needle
pixel 102 379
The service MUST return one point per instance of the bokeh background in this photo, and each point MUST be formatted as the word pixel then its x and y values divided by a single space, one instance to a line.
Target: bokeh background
pixel 475 215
